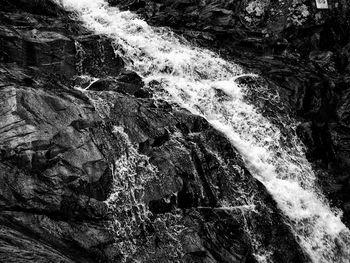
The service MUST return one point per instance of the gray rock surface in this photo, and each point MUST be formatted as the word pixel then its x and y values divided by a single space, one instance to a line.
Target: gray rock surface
pixel 108 174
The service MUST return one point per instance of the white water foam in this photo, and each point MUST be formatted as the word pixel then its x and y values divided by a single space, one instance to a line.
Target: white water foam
pixel 202 82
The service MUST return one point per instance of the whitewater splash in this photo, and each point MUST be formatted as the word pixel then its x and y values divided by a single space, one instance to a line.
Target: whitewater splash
pixel 205 84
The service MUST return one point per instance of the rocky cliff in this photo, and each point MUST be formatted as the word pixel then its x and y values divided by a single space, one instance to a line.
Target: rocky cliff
pixel 98 171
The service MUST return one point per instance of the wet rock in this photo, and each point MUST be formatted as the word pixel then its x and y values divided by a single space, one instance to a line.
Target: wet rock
pixel 307 63
pixel 108 174
pixel 46 44
pixel 302 52
pixel 96 57
pixel 39 7
pixel 323 59
pixel 62 161
pixel 126 82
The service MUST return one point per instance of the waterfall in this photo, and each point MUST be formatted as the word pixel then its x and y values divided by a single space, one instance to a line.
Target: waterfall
pixel 205 84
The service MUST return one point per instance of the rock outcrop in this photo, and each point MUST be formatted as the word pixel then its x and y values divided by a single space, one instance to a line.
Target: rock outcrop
pixel 95 170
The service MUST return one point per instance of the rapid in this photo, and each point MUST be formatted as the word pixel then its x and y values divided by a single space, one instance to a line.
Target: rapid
pixel 205 84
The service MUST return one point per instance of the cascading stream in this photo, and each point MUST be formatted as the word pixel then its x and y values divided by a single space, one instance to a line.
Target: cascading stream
pixel 205 84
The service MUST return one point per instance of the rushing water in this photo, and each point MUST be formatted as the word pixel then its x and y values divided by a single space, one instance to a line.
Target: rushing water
pixel 205 84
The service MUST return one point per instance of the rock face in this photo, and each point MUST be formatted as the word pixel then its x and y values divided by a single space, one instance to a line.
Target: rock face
pixel 300 51
pixel 108 174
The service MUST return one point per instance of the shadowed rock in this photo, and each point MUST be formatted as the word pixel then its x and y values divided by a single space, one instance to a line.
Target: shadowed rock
pixel 109 174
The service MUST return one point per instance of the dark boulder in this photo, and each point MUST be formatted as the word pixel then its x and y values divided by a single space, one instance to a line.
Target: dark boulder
pixel 127 82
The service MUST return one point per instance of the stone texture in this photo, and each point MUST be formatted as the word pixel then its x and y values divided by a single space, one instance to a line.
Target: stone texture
pixel 107 174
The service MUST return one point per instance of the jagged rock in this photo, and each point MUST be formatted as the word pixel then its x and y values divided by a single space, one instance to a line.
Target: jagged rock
pixel 96 56
pixel 61 151
pixel 57 175
pixel 126 82
pixel 47 45
pixel 110 175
